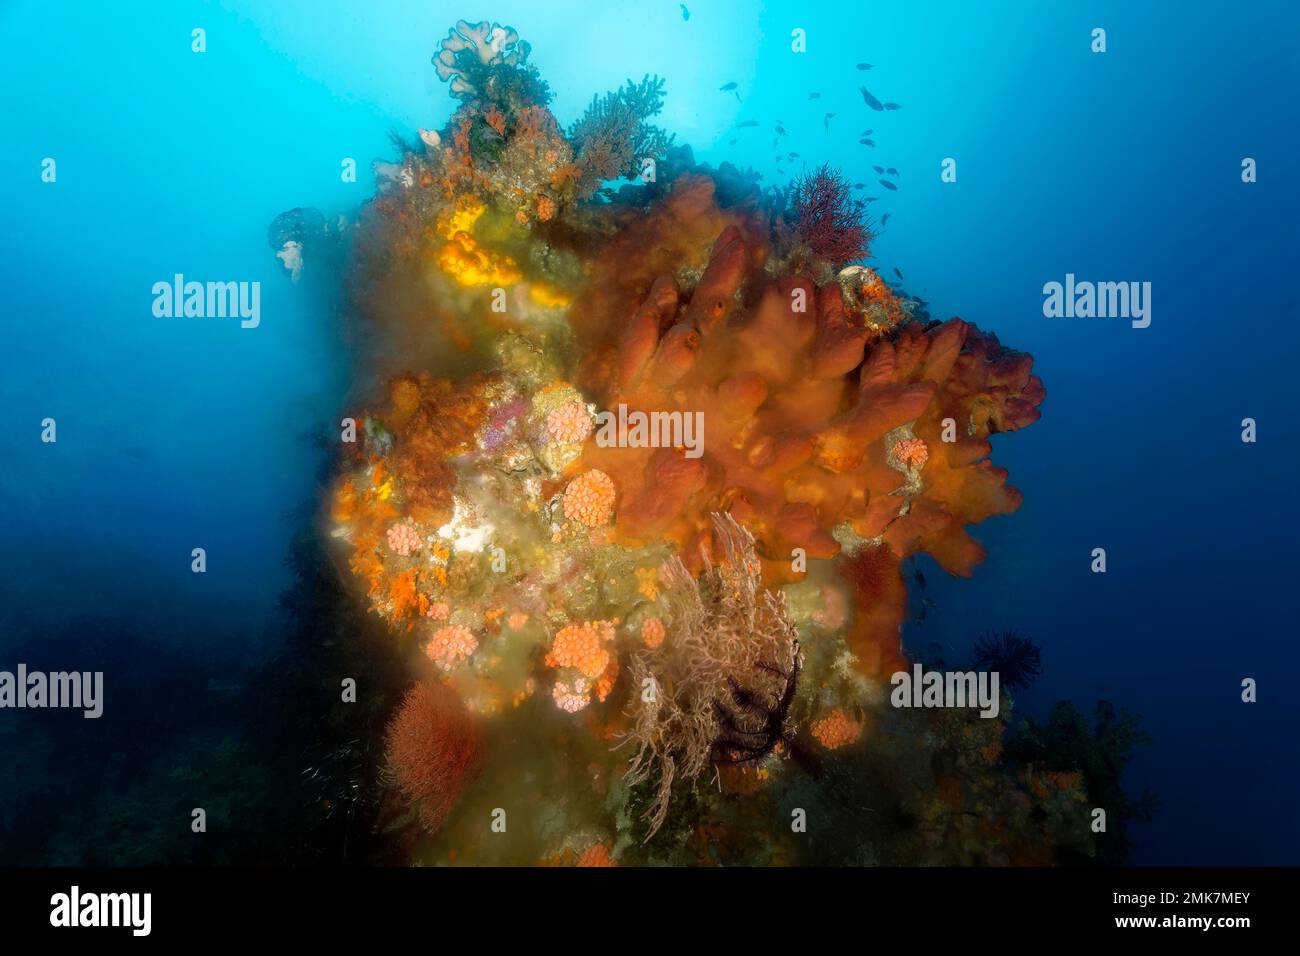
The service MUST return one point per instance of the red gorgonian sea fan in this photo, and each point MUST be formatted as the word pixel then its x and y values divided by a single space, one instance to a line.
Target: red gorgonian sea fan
pixel 434 751
pixel 828 219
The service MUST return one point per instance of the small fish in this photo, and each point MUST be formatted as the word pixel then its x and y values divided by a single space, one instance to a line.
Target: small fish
pixel 920 578
pixel 792 156
pixel 870 198
pixel 868 142
pixel 733 142
pixel 686 14
pixel 892 171
pixel 880 170
pixel 866 132
pixel 780 131
pixel 814 96
pixel 727 87
pixel 885 218
pixel 859 185
pixel 748 124
pixel 892 106
pixel 864 66
pixel 888 185
pixel 826 121
pixel 869 99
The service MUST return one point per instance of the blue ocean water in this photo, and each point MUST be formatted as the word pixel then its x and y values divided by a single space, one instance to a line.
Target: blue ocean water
pixel 1124 165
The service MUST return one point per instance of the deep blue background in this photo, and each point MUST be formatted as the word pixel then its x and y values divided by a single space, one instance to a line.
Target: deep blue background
pixel 1118 166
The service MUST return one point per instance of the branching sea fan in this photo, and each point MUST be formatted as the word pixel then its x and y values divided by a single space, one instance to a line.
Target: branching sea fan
pixel 434 751
pixel 828 219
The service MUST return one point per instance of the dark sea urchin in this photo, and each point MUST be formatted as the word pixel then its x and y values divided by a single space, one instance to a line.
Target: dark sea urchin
pixel 1018 660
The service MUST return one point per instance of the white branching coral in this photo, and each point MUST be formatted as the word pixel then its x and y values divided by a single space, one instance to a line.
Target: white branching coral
pixel 719 686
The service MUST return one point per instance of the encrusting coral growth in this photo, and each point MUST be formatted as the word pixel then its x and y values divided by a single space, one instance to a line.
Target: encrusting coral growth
pixel 672 633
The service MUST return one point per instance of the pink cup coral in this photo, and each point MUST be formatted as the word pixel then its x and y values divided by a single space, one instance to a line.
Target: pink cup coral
pixel 652 632
pixel 582 646
pixel 912 452
pixel 589 499
pixel 567 700
pixel 403 538
pixel 836 729
pixel 570 422
pixel 450 645
pixel 597 856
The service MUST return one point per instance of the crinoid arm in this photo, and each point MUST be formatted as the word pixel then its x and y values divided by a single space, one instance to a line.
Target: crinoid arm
pixel 724 677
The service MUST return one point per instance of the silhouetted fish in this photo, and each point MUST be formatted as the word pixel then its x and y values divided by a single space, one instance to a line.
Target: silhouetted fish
pixel 892 171
pixel 864 66
pixel 870 198
pixel 866 132
pixel 885 218
pixel 879 169
pixel 727 87
pixel 926 606
pixel 747 124
pixel 793 156
pixel 892 106
pixel 686 14
pixel 869 99
pixel 868 142
pixel 888 185
pixel 826 121
pixel 780 130
pixel 919 576
pixel 859 185
pixel 814 96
